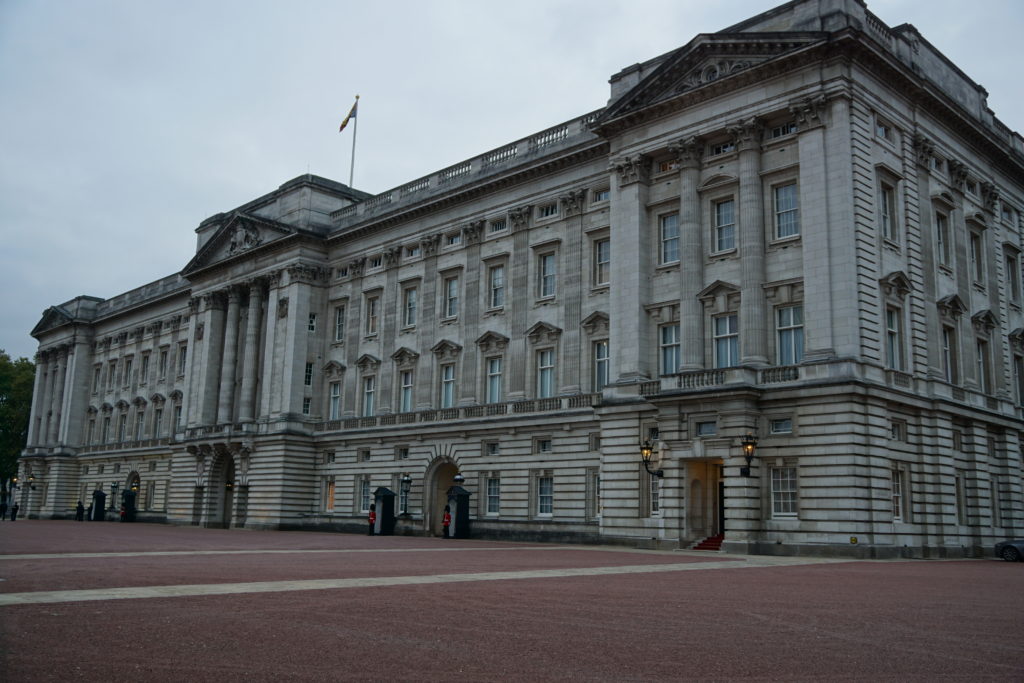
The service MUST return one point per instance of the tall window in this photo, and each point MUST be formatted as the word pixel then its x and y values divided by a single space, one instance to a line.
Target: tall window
pixel 894 338
pixel 334 409
pixel 961 499
pixel 654 497
pixel 448 385
pixel 942 242
pixel 950 356
pixel 364 495
pixel 725 225
pixel 372 314
pixel 144 370
pixel 545 495
pixel 496 286
pixel 140 424
pixel 984 365
pixel 547 275
pixel 897 495
pixel 106 430
pixel 126 380
pixel 450 290
pixel 1013 275
pixel 406 378
pixel 887 211
pixel 182 358
pixel 787 216
pixel 669 238
pixel 339 322
pixel 602 262
pixel 307 377
pixel 409 303
pixel 600 360
pixel 158 422
pixel 493 495
pixel 311 327
pixel 1018 377
pixel 177 416
pixel 111 375
pixel 669 348
pixel 161 368
pixel 494 370
pixel 977 247
pixel 369 392
pixel 546 373
pixel 790 329
pixel 784 492
pixel 96 372
pixel 329 494
pixel 727 341
pixel 122 427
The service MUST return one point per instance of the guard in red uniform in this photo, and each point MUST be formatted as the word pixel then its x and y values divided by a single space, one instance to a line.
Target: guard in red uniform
pixel 446 521
pixel 373 518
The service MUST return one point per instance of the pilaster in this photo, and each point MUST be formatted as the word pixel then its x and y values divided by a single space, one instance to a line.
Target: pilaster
pixel 753 316
pixel 691 310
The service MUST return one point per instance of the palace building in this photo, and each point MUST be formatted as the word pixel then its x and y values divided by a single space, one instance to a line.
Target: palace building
pixel 786 256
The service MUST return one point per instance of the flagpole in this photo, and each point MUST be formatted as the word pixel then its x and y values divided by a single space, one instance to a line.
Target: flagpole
pixel 352 166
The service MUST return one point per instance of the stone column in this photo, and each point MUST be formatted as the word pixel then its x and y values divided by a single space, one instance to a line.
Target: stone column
pixel 573 355
pixel 58 377
pixel 251 361
pixel 270 342
pixel 753 323
pixel 209 331
pixel 516 364
pixel 226 402
pixel 628 334
pixel 691 242
pixel 35 435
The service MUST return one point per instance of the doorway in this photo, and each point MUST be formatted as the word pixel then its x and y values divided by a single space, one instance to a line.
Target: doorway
pixel 440 478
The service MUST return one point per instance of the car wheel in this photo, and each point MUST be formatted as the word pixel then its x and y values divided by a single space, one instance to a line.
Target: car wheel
pixel 1010 554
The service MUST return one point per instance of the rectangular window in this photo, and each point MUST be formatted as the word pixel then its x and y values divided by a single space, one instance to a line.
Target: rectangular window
pixel 669 348
pixel 542 445
pixel 182 359
pixel 725 225
pixel 111 375
pixel 727 341
pixel 334 408
pixel 984 365
pixel 369 390
pixel 961 499
pixel 669 238
pixel 339 323
pixel 548 210
pixel 140 424
pixel 454 239
pixel 787 216
pixel 497 225
pixel 492 448
pixel 600 361
pixel 784 492
pixel 126 379
pixel 307 406
pixel 781 426
pixel 790 331
pixel 602 262
pixel 106 430
pixel 602 195
pixel 412 252
pixel 450 290
pixel 364 495
pixel 977 254
pixel 1018 377
pixel 494 391
pixel 448 385
pixel 376 261
pixel 545 495
pixel 546 373
pixel 883 130
pixel 409 304
pixel 950 356
pixel 96 372
pixel 546 275
pixel 406 402
pixel 496 286
pixel 493 495
pixel 307 377
pixel 1013 275
pixel 887 211
pixel 158 422
pixel 654 497
pixel 144 370
pixel 311 327
pixel 996 502
pixel 780 131
pixel 709 428
pixel 897 495
pixel 177 417
pixel 942 242
pixel 894 339
pixel 162 365
pixel 722 148
pixel 329 495
pixel 122 427
pixel 372 314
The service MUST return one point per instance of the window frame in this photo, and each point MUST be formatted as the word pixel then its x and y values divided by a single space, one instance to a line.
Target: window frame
pixel 729 339
pixel 668 239
pixel 789 334
pixel 784 490
pixel 779 214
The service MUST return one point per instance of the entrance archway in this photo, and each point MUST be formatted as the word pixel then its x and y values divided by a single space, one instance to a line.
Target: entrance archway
pixel 221 490
pixel 439 478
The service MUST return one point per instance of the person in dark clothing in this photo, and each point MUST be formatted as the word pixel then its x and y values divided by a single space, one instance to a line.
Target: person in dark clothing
pixel 14 511
pixel 446 521
pixel 372 518
pixel 80 512
pixel 3 511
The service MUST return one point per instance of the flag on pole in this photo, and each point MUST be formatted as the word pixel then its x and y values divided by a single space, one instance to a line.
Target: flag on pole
pixel 351 115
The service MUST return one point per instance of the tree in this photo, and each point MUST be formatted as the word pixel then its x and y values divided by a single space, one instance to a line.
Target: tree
pixel 16 380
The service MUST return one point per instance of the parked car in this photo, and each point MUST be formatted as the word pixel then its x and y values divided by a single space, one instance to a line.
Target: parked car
pixel 1011 551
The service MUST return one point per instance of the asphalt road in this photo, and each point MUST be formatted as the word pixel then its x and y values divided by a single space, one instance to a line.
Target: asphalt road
pixel 120 602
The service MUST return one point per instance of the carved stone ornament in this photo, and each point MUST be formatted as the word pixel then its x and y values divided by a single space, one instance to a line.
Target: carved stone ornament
pixel 244 238
pixel 989 196
pixel 392 257
pixel 984 321
pixel 367 363
pixel 923 150
pixel 720 296
pixel 809 112
pixel 492 341
pixel 572 203
pixel 430 244
pixel 405 357
pixel 1017 339
pixel 446 350
pixel 282 307
pixel 747 133
pixel 687 152
pixel 951 307
pixel 333 370
pixel 519 217
pixel 357 266
pixel 304 272
pixel 957 173
pixel 632 169
pixel 543 333
pixel 711 71
pixel 473 232
pixel 595 324
pixel 896 285
pixel 200 329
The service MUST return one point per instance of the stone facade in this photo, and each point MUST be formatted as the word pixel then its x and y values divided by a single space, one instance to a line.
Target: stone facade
pixel 805 228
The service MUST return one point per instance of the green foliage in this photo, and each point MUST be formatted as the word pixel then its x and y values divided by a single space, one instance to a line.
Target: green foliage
pixel 16 379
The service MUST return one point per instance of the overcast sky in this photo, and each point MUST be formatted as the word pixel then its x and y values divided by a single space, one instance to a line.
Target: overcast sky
pixel 124 123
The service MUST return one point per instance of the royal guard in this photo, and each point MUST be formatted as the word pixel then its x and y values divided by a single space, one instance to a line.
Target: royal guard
pixel 446 521
pixel 372 518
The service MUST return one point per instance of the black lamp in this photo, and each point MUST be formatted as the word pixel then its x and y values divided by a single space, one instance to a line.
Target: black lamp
pixel 406 483
pixel 749 445
pixel 646 451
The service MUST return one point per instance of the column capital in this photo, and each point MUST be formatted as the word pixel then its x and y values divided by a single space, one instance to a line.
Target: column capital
pixel 687 151
pixel 519 217
pixel 632 169
pixel 809 111
pixel 572 202
pixel 747 133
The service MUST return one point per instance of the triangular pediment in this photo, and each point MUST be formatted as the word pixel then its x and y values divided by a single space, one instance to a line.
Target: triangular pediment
pixel 896 285
pixel 53 317
pixel 333 369
pixel 239 234
pixel 492 341
pixel 984 321
pixel 951 306
pixel 595 323
pixel 405 357
pixel 367 362
pixel 709 62
pixel 543 332
pixel 446 349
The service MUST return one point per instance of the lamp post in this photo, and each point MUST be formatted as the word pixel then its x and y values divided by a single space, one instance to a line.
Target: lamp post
pixel 406 486
pixel 646 451
pixel 458 480
pixel 749 445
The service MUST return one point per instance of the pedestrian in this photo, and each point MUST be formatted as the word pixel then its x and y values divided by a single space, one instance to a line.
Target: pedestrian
pixel 124 513
pixel 372 519
pixel 14 511
pixel 446 521
pixel 3 510
pixel 80 512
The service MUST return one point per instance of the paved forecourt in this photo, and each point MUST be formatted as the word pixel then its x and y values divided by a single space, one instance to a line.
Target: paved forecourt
pixel 121 601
